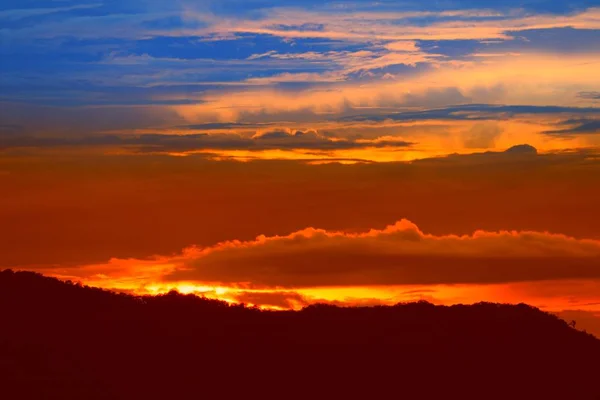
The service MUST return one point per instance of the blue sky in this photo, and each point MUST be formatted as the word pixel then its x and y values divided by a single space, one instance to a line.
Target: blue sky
pixel 104 66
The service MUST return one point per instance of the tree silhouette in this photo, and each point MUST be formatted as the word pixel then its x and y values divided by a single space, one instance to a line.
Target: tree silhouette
pixel 573 324
pixel 67 341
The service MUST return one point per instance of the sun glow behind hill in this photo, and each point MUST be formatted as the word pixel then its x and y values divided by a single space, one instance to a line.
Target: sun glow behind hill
pixel 586 319
pixel 397 264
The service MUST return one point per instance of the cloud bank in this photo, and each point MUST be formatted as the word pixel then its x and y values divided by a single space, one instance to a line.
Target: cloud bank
pixel 400 254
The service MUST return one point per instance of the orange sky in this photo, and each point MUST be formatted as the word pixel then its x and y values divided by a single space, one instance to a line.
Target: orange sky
pixel 506 227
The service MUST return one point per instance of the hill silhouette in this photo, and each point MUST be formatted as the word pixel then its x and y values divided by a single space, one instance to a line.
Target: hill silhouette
pixel 60 340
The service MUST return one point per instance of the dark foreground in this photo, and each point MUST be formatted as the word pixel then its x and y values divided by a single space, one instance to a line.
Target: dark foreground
pixel 63 341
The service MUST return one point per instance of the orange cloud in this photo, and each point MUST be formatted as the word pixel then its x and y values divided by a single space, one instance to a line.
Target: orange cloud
pixel 380 266
pixel 400 254
pixel 370 26
pixel 77 208
pixel 534 79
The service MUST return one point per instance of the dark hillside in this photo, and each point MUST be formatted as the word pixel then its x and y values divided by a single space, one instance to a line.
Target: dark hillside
pixel 63 341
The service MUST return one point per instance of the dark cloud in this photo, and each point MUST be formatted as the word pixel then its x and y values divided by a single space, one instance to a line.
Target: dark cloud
pixel 517 157
pixel 219 126
pixel 522 149
pixel 397 255
pixel 589 95
pixel 78 121
pixel 564 40
pixel 307 27
pixel 272 140
pixel 577 127
pixel 476 112
pixel 553 40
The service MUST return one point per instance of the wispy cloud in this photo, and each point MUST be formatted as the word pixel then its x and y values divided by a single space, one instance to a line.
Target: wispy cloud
pixel 275 62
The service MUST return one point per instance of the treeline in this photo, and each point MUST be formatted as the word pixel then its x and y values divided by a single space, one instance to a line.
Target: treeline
pixel 61 340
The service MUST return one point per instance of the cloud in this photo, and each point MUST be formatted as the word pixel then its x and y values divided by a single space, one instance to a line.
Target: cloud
pixel 279 299
pixel 482 136
pixel 20 13
pixel 403 46
pixel 358 24
pixel 201 49
pixel 589 95
pixel 157 143
pixel 434 98
pixel 65 123
pixel 535 81
pixel 397 263
pixel 577 127
pixel 522 149
pixel 103 201
pixel 400 254
pixel 476 112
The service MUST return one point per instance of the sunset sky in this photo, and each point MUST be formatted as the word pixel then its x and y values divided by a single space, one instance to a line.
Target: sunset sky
pixel 286 152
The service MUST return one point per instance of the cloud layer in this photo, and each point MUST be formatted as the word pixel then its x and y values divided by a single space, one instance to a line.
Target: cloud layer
pixel 398 255
pixel 130 65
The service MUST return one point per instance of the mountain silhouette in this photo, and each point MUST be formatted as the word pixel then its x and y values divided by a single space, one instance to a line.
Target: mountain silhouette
pixel 61 340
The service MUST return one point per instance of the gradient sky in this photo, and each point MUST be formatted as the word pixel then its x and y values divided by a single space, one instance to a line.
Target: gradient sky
pixel 285 152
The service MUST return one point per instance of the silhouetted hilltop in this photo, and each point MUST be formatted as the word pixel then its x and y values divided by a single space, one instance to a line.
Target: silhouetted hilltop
pixel 64 341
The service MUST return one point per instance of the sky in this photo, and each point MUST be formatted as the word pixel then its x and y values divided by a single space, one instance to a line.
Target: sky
pixel 282 153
